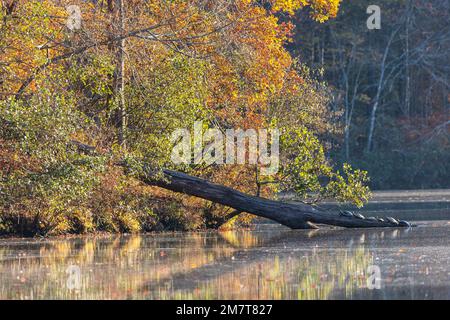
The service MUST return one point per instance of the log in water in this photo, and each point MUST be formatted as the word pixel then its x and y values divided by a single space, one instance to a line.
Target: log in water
pixel 293 215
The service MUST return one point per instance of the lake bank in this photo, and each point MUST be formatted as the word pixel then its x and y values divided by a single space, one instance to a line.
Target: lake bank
pixel 411 205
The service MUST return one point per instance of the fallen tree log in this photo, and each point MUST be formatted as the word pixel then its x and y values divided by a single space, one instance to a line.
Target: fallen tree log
pixel 293 215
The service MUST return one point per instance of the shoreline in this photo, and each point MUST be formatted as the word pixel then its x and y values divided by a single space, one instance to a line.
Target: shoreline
pixel 413 205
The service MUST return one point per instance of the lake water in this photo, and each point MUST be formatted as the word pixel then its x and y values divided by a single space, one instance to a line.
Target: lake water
pixel 269 263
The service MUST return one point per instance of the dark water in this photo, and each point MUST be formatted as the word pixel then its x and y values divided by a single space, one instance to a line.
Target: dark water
pixel 271 263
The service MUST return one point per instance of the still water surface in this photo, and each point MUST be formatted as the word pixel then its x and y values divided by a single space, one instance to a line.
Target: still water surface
pixel 269 263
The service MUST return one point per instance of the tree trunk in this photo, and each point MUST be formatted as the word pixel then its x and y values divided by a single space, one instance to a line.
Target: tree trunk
pixel 293 215
pixel 380 88
pixel 121 76
pixel 407 108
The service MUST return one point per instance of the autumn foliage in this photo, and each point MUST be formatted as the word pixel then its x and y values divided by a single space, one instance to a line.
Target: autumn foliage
pixel 135 71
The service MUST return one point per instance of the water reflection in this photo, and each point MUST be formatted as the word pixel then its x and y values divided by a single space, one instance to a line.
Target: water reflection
pixel 266 264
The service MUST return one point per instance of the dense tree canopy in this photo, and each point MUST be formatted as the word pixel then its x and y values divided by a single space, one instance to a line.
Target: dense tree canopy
pixel 134 72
